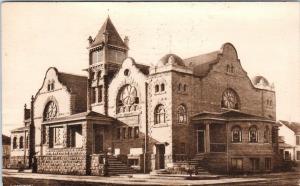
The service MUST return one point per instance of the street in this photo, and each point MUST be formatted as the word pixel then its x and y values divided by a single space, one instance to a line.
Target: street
pixel 13 178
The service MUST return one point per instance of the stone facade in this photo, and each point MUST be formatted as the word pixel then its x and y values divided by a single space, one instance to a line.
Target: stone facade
pixel 203 108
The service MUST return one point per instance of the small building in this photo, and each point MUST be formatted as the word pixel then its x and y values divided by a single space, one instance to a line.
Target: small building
pixel 5 151
pixel 289 143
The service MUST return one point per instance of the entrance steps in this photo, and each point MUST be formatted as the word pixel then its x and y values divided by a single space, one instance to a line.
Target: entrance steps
pixel 116 167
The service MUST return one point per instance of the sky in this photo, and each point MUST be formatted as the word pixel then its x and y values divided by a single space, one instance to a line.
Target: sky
pixel 36 36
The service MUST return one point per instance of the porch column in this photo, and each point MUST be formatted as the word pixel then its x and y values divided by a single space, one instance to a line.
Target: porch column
pixel 65 136
pixel 207 137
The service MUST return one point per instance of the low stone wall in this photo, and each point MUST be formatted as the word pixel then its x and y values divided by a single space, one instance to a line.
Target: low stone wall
pixel 75 164
pixel 14 162
pixel 63 161
pixel 96 165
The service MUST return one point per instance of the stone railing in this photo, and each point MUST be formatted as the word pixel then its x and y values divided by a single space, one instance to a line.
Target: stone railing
pixel 128 108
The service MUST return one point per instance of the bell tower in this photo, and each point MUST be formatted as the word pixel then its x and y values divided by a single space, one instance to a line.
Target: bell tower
pixel 106 54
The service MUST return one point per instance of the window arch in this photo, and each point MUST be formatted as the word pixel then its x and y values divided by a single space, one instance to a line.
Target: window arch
pixel 266 134
pixel 162 87
pixel 253 134
pixel 181 114
pixel 21 142
pixel 127 99
pixel 236 134
pixel 230 99
pixel 15 143
pixel 50 111
pixel 159 114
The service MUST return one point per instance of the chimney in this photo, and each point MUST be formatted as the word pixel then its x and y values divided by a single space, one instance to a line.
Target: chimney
pixel 25 109
pixel 126 41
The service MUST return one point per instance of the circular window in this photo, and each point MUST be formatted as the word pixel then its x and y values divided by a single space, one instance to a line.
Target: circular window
pixel 230 100
pixel 126 72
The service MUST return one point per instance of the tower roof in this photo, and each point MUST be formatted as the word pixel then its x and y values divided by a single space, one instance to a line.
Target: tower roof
pixel 113 35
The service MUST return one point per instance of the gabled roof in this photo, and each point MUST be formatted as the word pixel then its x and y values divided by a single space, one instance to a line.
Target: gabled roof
pixel 201 63
pixel 231 115
pixel 75 84
pixel 20 129
pixel 82 116
pixel 113 35
pixel 294 126
pixel 143 68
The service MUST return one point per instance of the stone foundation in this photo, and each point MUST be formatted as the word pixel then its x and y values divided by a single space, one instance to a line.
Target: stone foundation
pixel 75 164
pixel 14 160
pixel 63 161
pixel 96 165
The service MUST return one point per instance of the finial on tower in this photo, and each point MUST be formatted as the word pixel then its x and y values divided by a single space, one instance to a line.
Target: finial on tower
pixel 107 11
pixel 90 39
pixel 25 106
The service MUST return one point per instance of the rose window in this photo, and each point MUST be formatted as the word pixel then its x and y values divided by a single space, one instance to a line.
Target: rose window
pixel 127 99
pixel 230 100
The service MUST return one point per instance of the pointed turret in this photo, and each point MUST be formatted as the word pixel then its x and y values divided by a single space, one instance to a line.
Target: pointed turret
pixel 108 35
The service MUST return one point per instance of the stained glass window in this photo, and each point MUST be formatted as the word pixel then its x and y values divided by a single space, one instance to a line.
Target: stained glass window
pixel 50 111
pixel 236 133
pixel 160 114
pixel 182 115
pixel 230 99
pixel 253 137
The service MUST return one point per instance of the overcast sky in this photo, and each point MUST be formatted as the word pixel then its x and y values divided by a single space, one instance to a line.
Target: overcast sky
pixel 36 36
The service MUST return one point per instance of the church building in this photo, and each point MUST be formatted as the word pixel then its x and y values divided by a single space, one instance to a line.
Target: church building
pixel 203 109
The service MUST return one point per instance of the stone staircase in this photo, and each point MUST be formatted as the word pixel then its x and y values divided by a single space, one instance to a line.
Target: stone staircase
pixel 116 167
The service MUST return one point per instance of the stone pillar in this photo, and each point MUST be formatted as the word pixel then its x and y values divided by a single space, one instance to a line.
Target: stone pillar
pixel 207 137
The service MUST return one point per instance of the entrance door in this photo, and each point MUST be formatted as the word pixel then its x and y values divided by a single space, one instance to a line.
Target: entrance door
pixel 200 141
pixel 160 156
pixel 98 139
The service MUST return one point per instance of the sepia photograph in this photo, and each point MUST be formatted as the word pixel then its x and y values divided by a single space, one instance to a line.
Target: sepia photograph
pixel 150 93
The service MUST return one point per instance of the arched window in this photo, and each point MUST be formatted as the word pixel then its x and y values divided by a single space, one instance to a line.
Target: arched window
pixel 50 111
pixel 253 137
pixel 127 99
pixel 156 88
pixel 230 99
pixel 15 143
pixel 21 142
pixel 159 114
pixel 182 114
pixel 236 134
pixel 266 134
pixel 162 87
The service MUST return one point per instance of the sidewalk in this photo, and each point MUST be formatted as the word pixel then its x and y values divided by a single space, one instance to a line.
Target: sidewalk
pixel 135 179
